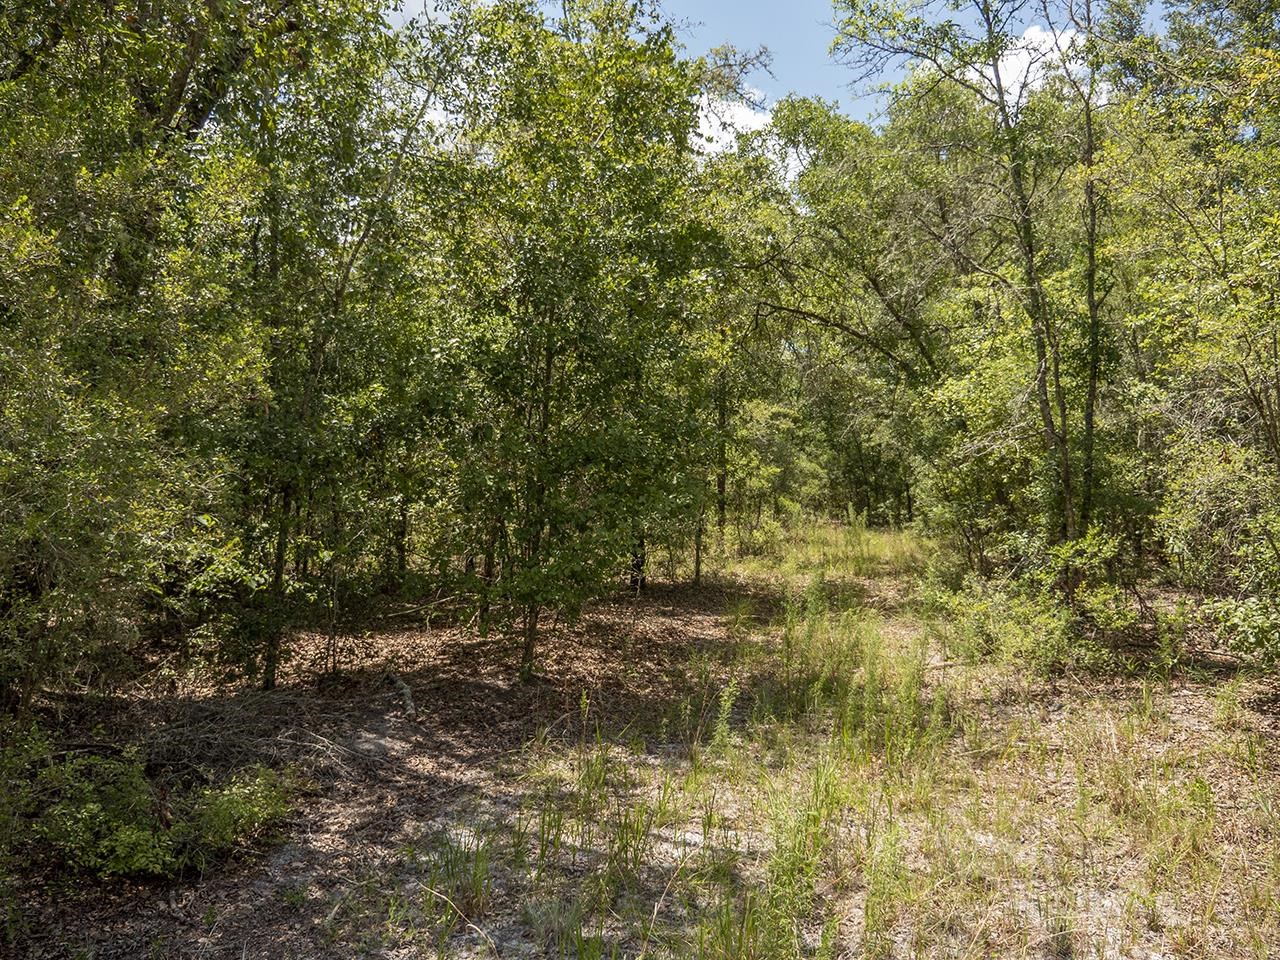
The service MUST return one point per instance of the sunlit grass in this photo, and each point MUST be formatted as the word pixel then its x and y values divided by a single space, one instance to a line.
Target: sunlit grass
pixel 840 788
pixel 841 550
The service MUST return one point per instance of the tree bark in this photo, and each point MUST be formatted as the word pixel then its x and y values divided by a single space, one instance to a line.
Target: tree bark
pixel 527 655
pixel 638 560
pixel 697 547
pixel 275 626
pixel 722 465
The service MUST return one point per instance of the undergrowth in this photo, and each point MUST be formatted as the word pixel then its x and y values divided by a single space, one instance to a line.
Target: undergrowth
pixel 868 767
pixel 97 810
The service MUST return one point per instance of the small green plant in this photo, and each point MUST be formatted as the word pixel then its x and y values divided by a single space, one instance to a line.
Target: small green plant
pixel 550 835
pixel 520 839
pixel 857 552
pixel 551 922
pixel 732 932
pixel 293 896
pixel 739 618
pixel 591 790
pixel 589 946
pixel 459 874
pixel 1171 640
pixel 720 732
pixel 630 842
pixel 107 817
pixel 1060 937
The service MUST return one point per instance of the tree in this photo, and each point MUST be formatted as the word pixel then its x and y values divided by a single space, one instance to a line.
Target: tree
pixel 1017 157
pixel 582 170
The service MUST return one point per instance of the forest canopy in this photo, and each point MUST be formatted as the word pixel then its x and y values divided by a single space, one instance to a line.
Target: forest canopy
pixel 455 448
pixel 304 311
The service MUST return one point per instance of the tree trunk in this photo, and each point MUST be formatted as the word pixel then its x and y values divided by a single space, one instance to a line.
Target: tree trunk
pixel 1036 303
pixel 697 547
pixel 1095 324
pixel 402 541
pixel 722 465
pixel 638 558
pixel 531 612
pixel 536 506
pixel 275 626
pixel 486 578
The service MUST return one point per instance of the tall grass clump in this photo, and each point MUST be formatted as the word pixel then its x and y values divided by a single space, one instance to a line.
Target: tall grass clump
pixel 768 920
pixel 819 655
pixel 890 713
pixel 460 876
pixel 852 548
pixel 886 878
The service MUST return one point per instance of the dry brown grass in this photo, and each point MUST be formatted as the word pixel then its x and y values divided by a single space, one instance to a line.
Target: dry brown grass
pixel 778 766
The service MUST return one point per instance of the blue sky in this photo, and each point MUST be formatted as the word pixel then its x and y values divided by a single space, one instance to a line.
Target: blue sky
pixel 797 32
pixel 798 35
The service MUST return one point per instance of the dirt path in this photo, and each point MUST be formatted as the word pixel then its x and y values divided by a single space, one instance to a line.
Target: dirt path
pixel 785 765
pixel 379 769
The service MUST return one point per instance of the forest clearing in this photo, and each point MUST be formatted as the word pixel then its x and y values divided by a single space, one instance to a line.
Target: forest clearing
pixel 805 757
pixel 519 478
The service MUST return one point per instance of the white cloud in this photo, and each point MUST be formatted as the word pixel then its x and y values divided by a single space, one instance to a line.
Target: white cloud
pixel 720 121
pixel 1028 63
pixel 1040 52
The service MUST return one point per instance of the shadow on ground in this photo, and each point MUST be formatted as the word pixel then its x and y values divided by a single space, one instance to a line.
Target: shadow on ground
pixel 418 720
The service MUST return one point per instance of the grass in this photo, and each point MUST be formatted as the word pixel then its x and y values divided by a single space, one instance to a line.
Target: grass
pixel 856 780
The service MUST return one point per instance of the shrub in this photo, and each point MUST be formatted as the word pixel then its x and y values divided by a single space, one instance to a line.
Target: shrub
pixel 1250 626
pixel 1013 623
pixel 1215 519
pixel 220 818
pixel 19 747
pixel 103 814
pixel 761 539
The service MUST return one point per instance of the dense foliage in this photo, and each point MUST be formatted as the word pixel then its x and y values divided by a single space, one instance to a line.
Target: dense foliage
pixel 1046 297
pixel 301 310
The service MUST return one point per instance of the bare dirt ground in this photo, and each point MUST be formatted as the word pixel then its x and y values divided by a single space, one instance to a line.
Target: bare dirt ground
pixel 1060 817
pixel 379 766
